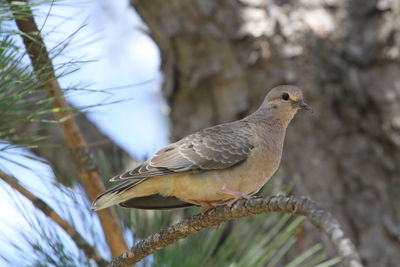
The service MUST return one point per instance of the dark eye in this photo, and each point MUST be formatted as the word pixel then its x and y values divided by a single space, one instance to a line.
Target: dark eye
pixel 285 96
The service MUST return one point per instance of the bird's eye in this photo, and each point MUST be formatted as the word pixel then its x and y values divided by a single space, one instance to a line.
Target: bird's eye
pixel 285 96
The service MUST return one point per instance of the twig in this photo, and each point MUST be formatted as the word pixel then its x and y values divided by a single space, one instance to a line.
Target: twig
pixel 44 71
pixel 298 206
pixel 80 242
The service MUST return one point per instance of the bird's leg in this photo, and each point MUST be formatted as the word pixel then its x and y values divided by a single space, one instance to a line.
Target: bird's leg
pixel 236 195
pixel 206 205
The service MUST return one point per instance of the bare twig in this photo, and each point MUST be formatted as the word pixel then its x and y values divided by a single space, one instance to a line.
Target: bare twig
pixel 80 242
pixel 44 71
pixel 298 206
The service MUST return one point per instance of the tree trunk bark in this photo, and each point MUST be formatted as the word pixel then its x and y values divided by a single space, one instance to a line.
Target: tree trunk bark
pixel 221 57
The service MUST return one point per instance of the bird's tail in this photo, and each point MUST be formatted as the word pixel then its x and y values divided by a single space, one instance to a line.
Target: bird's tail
pixel 114 195
pixel 124 196
pixel 106 200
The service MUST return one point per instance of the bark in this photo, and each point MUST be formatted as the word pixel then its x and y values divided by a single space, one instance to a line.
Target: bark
pixel 298 206
pixel 220 58
pixel 88 172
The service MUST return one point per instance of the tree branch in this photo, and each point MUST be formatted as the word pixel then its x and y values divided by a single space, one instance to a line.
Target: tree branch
pixel 298 206
pixel 79 240
pixel 44 71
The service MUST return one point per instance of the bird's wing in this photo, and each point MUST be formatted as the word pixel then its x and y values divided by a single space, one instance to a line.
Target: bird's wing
pixel 217 147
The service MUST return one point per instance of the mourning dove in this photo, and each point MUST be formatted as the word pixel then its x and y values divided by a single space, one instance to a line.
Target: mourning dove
pixel 217 165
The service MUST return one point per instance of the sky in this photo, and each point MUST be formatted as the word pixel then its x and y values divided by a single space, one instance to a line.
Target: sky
pixel 124 67
pixel 123 55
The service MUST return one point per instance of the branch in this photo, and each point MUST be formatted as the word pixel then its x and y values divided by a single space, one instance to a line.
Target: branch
pixel 44 72
pixel 80 242
pixel 298 206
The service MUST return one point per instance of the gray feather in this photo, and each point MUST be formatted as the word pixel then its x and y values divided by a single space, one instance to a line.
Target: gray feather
pixel 217 147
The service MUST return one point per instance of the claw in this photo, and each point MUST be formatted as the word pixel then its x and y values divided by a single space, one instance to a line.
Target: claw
pixel 237 195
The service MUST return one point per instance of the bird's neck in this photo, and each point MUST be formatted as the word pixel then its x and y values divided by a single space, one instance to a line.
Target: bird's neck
pixel 272 118
pixel 270 129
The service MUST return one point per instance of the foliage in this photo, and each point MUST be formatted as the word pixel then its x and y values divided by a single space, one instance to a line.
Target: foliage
pixel 24 115
pixel 19 101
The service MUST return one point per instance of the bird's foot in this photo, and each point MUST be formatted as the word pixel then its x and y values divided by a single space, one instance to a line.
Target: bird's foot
pixel 206 205
pixel 236 195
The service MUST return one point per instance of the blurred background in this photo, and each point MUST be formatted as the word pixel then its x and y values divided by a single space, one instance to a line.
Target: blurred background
pixel 140 74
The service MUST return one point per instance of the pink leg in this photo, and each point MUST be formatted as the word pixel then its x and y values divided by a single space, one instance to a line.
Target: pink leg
pixel 206 205
pixel 236 195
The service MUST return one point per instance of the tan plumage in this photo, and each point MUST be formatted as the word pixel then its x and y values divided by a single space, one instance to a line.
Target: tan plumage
pixel 212 166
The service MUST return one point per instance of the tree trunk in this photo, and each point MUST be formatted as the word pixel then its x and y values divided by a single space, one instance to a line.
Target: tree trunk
pixel 221 57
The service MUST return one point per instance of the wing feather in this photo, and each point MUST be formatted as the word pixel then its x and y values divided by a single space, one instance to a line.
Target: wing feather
pixel 217 147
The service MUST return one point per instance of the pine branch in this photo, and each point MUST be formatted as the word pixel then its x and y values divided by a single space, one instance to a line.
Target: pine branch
pixel 79 240
pixel 298 206
pixel 44 72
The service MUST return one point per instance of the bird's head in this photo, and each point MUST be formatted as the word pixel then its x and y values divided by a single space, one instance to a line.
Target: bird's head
pixel 284 101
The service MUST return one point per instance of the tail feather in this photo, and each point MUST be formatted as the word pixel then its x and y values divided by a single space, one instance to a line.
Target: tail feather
pixel 122 195
pixel 106 200
pixel 114 195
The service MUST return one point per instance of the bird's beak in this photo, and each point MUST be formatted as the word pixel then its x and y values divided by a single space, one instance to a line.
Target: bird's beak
pixel 303 105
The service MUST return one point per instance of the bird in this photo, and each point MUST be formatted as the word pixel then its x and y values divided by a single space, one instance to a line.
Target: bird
pixel 214 166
